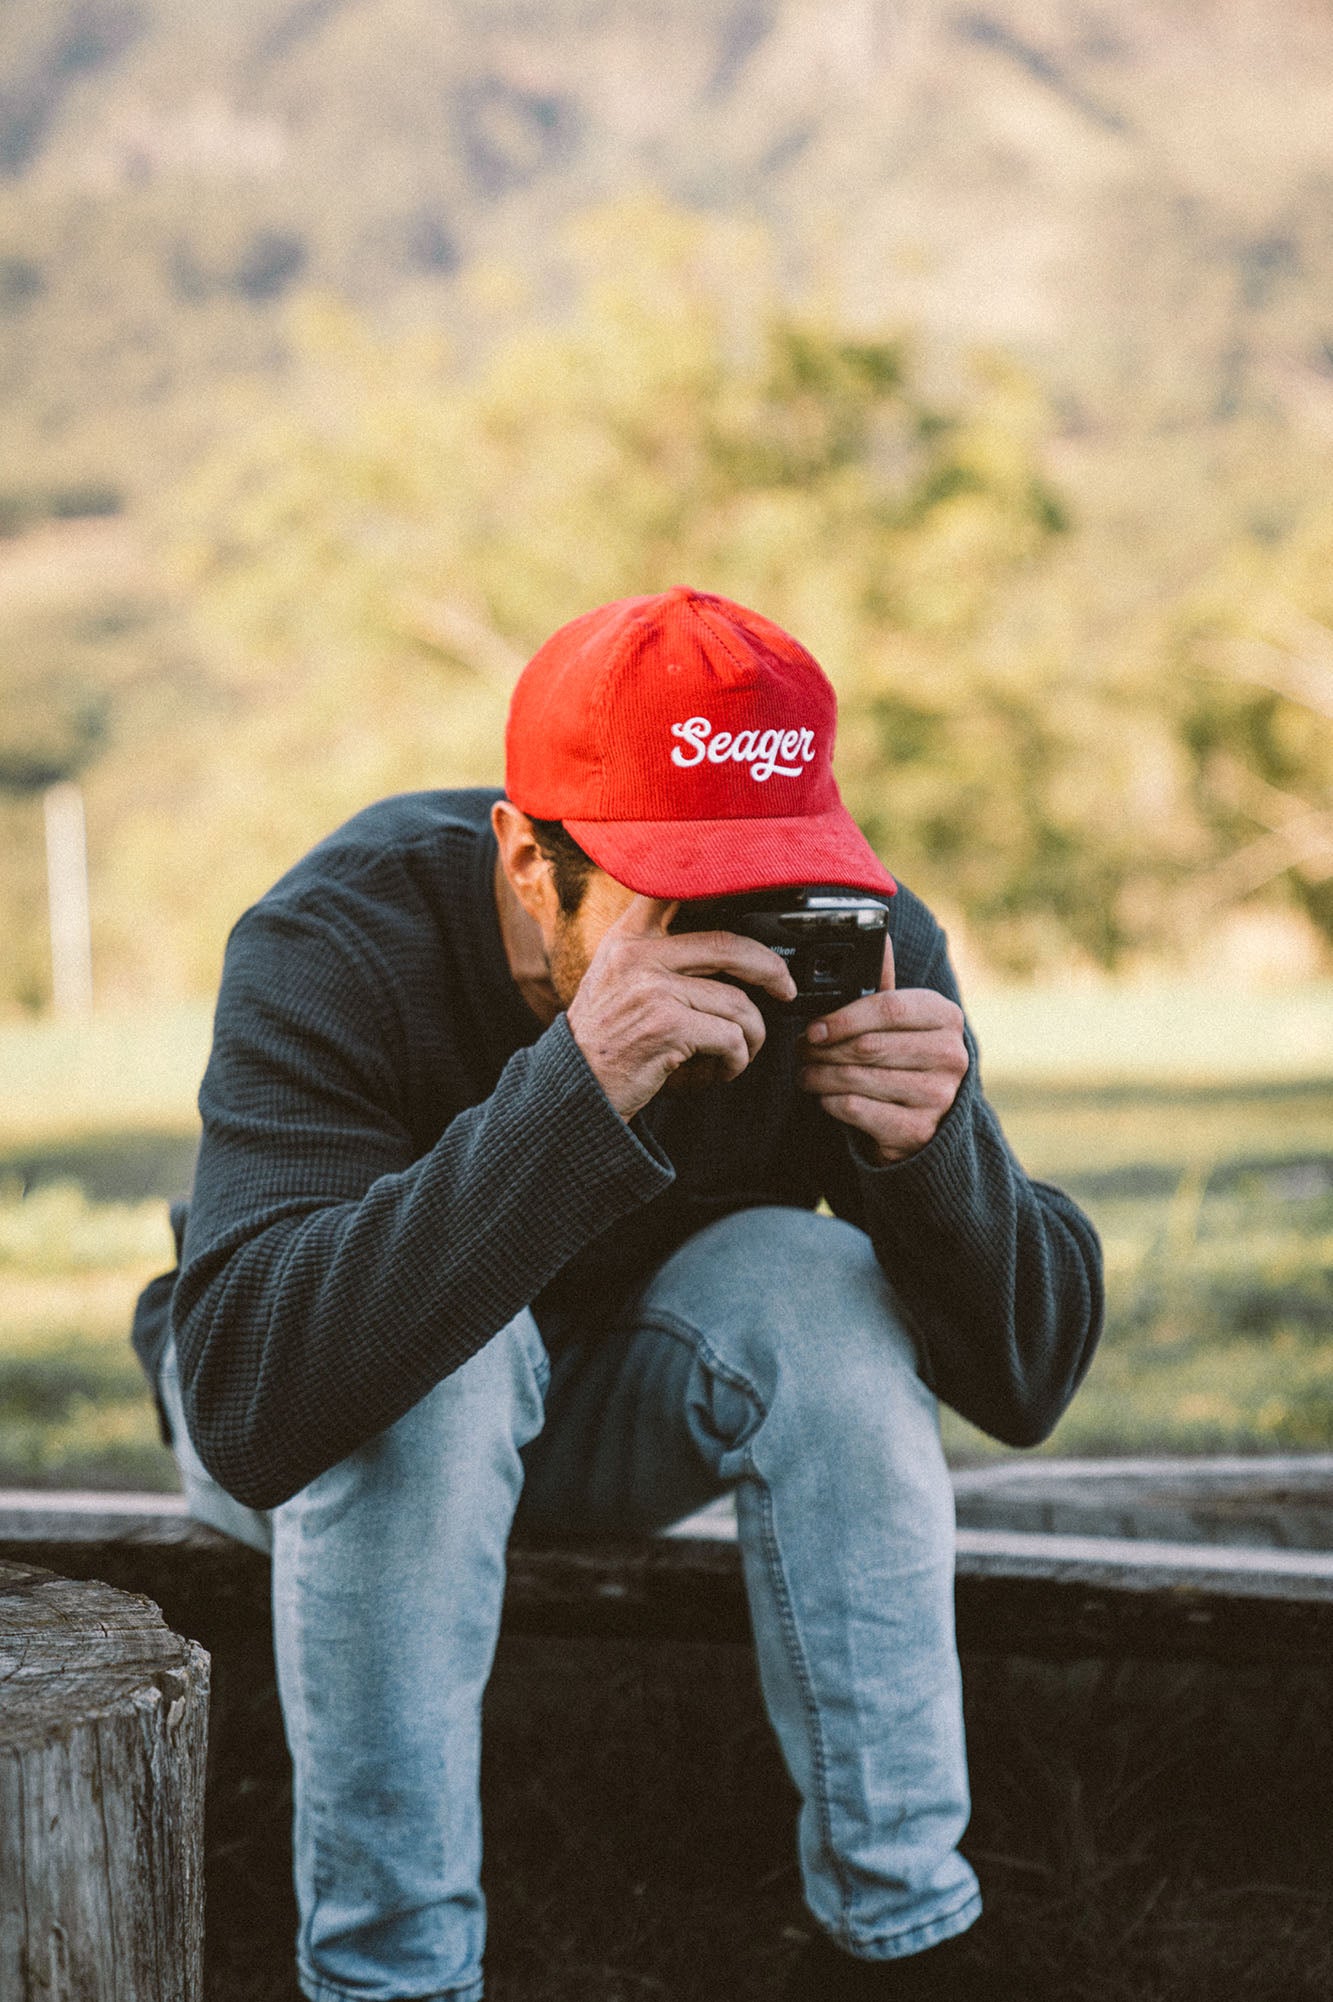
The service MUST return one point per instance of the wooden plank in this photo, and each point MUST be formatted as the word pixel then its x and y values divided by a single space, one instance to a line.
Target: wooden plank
pixel 1017 1592
pixel 1298 1472
pixel 1146 1564
pixel 1282 1502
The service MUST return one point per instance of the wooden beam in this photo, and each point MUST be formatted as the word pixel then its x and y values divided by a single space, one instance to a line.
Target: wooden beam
pixel 1018 1592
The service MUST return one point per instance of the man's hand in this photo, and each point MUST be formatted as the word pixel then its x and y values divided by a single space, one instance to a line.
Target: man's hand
pixel 646 1006
pixel 890 1063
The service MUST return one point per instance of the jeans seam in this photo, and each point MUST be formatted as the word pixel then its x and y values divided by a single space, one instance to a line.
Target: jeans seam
pixel 318 1870
pixel 682 1330
pixel 797 1656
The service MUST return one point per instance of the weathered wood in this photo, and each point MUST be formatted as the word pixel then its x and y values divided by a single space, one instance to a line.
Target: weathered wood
pixel 1273 1502
pixel 103 1726
pixel 1016 1593
pixel 1021 1590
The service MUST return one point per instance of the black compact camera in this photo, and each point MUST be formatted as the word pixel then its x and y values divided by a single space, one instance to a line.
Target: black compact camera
pixel 831 938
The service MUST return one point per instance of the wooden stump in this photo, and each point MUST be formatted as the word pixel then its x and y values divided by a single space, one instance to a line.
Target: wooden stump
pixel 103 1728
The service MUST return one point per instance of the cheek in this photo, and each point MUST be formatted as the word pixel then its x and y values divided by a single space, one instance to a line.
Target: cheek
pixel 568 960
pixel 576 939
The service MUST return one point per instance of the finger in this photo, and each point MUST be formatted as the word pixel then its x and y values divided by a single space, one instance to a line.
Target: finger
pixel 719 997
pixel 889 1049
pixel 729 952
pixel 888 978
pixel 886 1087
pixel 719 1036
pixel 698 1074
pixel 853 1111
pixel 887 1009
pixel 645 917
pixel 897 1134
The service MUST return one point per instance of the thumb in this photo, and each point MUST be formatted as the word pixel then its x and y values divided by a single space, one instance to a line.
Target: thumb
pixel 644 916
pixel 887 977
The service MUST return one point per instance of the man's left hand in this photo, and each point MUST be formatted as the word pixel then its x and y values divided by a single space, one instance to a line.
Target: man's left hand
pixel 889 1064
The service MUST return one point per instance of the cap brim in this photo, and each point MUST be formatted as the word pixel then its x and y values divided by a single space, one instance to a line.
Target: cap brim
pixel 689 859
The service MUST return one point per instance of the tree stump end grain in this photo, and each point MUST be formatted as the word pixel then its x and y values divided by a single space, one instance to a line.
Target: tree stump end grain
pixel 103 1735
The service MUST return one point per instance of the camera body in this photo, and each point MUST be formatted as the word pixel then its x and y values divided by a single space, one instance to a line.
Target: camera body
pixel 832 939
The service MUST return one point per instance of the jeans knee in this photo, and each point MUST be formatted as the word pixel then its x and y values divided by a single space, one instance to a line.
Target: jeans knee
pixel 460 1439
pixel 788 1297
pixel 810 1371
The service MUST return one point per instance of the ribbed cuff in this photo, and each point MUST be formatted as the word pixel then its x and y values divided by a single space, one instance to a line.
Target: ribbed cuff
pixel 602 1155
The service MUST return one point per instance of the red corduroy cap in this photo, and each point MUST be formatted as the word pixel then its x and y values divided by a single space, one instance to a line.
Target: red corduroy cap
pixel 687 745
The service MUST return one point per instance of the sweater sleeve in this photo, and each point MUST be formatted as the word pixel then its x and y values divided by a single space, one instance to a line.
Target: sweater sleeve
pixel 329 1279
pixel 999 1276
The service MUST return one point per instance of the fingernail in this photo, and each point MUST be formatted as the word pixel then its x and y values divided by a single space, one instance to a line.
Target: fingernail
pixel 817 1032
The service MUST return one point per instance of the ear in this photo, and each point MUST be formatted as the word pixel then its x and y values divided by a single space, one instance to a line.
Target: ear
pixel 528 871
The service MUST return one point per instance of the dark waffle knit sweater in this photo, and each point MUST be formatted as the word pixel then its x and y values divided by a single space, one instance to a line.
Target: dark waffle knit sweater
pixel 397 1157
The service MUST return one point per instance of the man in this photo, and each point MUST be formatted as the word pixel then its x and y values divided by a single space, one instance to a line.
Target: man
pixel 506 1202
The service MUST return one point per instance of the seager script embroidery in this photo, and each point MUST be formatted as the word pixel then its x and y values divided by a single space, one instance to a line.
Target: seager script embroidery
pixel 759 749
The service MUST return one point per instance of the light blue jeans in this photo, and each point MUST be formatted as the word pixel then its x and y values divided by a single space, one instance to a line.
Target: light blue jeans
pixel 765 1357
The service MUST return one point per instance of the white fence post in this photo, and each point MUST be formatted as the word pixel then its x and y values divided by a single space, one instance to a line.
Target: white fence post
pixel 67 896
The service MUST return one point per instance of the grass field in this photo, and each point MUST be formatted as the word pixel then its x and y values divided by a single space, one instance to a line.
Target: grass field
pixel 1196 1128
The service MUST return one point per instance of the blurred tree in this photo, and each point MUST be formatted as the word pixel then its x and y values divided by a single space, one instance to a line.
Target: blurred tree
pixel 399 517
pixel 50 728
pixel 1253 694
pixel 1073 754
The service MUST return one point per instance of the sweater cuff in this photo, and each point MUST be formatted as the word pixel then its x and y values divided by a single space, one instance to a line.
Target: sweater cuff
pixel 599 1152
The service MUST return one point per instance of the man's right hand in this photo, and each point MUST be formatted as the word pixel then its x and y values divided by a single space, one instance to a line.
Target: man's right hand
pixel 646 1005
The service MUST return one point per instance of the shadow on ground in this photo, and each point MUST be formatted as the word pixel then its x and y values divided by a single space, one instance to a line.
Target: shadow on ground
pixel 1145 1832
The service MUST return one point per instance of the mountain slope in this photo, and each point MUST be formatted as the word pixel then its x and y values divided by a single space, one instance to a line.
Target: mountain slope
pixel 1134 198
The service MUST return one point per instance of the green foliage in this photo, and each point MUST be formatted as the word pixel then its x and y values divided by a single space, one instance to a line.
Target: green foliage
pixel 72 1397
pixel 398 537
pixel 1255 714
pixel 1215 1207
pixel 57 1229
pixel 373 558
pixel 1219 1307
pixel 1033 613
pixel 75 1414
pixel 401 535
pixel 56 705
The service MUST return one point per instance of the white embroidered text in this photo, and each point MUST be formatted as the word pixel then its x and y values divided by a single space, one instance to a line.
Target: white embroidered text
pixel 761 750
